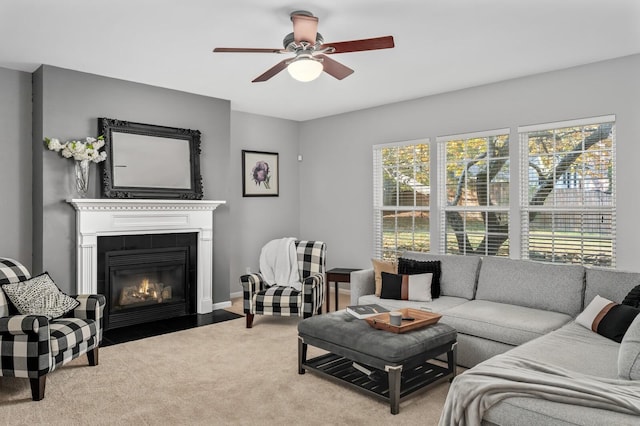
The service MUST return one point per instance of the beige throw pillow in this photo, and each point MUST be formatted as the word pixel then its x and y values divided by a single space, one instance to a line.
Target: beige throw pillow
pixel 380 266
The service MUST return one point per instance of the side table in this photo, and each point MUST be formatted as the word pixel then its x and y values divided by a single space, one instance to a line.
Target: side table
pixel 337 275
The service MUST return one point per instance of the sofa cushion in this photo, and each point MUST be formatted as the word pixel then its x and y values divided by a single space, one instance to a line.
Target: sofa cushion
pixel 503 323
pixel 575 348
pixel 436 305
pixel 572 342
pixel 629 353
pixel 607 318
pixel 458 274
pixel 610 284
pixel 537 285
pixel 538 411
pixel 278 300
pixel 67 333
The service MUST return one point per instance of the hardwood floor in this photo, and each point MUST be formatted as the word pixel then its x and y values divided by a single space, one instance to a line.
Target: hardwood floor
pixel 155 328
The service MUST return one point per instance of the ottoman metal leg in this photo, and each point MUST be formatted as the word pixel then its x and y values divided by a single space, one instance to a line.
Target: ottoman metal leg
pixel 452 360
pixel 395 374
pixel 302 354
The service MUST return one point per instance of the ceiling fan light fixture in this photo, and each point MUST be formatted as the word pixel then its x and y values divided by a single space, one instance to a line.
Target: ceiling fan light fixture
pixel 310 51
pixel 305 68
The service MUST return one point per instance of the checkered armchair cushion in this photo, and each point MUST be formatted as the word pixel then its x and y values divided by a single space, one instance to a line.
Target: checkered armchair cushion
pixel 31 346
pixel 259 298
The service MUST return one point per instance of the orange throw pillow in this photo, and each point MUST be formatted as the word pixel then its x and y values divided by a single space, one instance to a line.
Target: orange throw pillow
pixel 380 266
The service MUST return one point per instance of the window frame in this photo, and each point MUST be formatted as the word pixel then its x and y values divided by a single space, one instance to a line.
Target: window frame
pixel 575 209
pixel 378 198
pixel 464 210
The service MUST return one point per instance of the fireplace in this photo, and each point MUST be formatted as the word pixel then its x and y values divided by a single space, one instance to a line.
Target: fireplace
pixel 105 217
pixel 145 285
pixel 147 277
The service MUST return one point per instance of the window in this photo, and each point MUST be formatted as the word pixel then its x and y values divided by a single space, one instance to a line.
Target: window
pixel 568 191
pixel 401 198
pixel 474 193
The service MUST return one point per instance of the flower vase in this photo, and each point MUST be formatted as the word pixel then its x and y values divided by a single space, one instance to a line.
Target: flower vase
pixel 82 177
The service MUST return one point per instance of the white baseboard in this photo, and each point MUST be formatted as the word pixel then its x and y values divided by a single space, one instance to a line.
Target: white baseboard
pixel 221 305
pixel 235 295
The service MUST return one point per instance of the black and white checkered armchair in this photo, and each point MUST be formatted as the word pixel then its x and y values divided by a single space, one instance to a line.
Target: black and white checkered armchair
pixel 261 299
pixel 31 346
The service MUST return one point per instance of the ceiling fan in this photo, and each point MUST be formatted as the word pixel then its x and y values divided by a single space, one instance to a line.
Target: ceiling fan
pixel 311 51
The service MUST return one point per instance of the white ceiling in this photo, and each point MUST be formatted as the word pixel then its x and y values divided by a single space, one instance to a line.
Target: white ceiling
pixel 441 45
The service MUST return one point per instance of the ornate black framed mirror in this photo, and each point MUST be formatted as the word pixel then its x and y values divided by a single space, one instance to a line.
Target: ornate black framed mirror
pixel 149 161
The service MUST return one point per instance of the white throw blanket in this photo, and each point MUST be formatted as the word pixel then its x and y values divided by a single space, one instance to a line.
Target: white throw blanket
pixel 505 376
pixel 279 263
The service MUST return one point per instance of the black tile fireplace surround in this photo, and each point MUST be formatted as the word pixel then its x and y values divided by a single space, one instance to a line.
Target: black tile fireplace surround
pixel 147 277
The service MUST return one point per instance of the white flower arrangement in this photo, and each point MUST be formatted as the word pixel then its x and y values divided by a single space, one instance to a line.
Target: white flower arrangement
pixel 79 150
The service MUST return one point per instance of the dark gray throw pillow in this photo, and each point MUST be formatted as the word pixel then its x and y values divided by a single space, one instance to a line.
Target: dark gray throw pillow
pixel 391 286
pixel 633 298
pixel 412 267
pixel 615 323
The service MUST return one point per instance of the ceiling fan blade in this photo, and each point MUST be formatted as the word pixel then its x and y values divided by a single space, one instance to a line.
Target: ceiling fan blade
pixel 305 28
pixel 246 50
pixel 335 68
pixel 271 71
pixel 385 42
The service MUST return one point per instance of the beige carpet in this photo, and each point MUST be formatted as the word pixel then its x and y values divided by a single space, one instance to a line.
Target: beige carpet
pixel 217 374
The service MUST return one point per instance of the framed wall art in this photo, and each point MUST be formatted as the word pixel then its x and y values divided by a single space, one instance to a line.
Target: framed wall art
pixel 260 174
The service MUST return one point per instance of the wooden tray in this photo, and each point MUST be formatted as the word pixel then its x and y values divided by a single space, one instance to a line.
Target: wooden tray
pixel 422 319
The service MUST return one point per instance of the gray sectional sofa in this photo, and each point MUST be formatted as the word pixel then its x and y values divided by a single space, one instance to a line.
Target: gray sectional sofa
pixel 525 308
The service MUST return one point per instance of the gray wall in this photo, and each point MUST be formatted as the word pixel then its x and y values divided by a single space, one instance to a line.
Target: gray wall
pixel 66 104
pixel 15 165
pixel 327 196
pixel 256 220
pixel 70 103
pixel 336 186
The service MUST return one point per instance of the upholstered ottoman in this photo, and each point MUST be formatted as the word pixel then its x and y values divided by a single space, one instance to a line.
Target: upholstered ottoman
pixel 383 364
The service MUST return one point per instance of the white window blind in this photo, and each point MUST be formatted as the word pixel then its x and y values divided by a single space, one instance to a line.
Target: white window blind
pixel 474 193
pixel 401 191
pixel 568 191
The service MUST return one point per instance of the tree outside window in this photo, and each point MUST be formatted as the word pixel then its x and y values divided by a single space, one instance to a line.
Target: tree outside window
pixel 568 207
pixel 567 194
pixel 476 194
pixel 401 199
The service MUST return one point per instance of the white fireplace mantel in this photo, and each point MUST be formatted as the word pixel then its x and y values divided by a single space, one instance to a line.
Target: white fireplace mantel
pixel 108 216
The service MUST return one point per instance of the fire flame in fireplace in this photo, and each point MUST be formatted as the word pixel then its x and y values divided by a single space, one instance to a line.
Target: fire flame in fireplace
pixel 144 286
pixel 145 292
